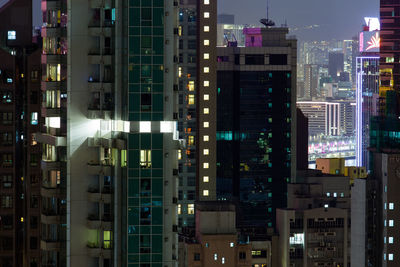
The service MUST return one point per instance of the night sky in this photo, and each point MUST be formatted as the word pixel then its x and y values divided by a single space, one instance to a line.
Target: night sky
pixel 337 19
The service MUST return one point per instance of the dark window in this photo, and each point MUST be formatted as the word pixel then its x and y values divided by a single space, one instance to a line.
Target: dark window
pixel 242 255
pixel 196 257
pixel 192 44
pixel 254 59
pixel 190 195
pixel 145 102
pixel 34 222
pixel 237 59
pixel 34 202
pixel 33 242
pixel 34 98
pixel 278 59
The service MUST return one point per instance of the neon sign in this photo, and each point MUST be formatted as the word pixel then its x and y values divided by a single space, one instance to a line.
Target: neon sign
pixel 374 42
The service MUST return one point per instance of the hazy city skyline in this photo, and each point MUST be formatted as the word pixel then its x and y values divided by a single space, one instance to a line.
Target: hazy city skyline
pixel 338 19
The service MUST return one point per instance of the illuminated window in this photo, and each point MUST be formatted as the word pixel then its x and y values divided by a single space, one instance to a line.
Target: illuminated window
pixel 205 192
pixel 206 124
pixel 389 59
pixel 191 86
pixel 206 179
pixel 206 110
pixel 206 42
pixel 11 35
pixel 190 208
pixel 145 158
pixel 206 83
pixel 145 127
pixel 206 70
pixel 180 72
pixel 206 28
pixel 107 239
pixel 390 239
pixel 205 165
pixel 179 209
pixel 390 257
pixel 223 260
pixel 191 140
pixel 206 2
pixel 391 206
pixel 191 100
pixel 179 154
pixel 206 138
pixel 206 97
pixel 232 244
pixel 34 118
pixel 391 223
pixel 206 15
pixel 206 56
pixel 206 152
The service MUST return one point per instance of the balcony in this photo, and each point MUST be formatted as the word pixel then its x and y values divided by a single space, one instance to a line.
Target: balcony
pixel 96 30
pixel 54 32
pixel 96 251
pixel 54 85
pixel 99 59
pixel 51 112
pixel 93 222
pixel 100 142
pixel 54 59
pixel 100 86
pixel 96 169
pixel 97 196
pixel 50 245
pixel 52 192
pixel 100 3
pixel 50 218
pixel 99 114
pixel 44 138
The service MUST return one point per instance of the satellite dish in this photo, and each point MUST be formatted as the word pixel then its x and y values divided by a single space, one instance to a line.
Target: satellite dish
pixel 267 22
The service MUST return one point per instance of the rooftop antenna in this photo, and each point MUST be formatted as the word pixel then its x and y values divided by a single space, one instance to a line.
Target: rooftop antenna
pixel 267 22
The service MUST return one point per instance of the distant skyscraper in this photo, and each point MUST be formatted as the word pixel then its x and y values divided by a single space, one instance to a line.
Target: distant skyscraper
pixel 367 94
pixel 256 125
pixel 310 81
pixel 336 65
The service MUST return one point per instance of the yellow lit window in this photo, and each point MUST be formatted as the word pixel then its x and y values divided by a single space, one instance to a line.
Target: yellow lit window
pixel 180 31
pixel 206 15
pixel 206 83
pixel 205 165
pixel 107 239
pixel 206 97
pixel 179 209
pixel 206 151
pixel 206 179
pixel 206 56
pixel 191 100
pixel 206 124
pixel 191 140
pixel 179 154
pixel 206 28
pixel 206 138
pixel 145 158
pixel 190 208
pixel 206 42
pixel 191 86
pixel 205 193
pixel 206 70
pixel 180 72
pixel 206 110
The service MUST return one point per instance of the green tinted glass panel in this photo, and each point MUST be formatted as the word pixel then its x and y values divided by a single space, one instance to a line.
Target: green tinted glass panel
pixel 156 244
pixel 157 187
pixel 133 244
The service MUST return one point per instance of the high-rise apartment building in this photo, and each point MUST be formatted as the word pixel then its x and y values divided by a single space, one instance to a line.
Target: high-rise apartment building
pixel 314 230
pixel 256 125
pixel 109 133
pixel 197 106
pixel 310 81
pixel 19 151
